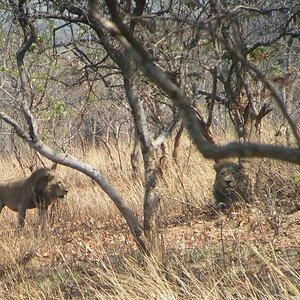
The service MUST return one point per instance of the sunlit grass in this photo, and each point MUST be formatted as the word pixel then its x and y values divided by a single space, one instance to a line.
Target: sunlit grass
pixel 89 253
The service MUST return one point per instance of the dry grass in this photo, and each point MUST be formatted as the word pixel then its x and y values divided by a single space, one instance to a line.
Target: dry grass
pixel 89 253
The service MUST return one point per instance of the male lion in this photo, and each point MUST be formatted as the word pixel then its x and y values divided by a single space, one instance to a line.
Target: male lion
pixel 231 184
pixel 39 190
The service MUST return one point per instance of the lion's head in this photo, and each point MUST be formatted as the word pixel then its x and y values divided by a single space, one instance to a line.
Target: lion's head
pixel 231 183
pixel 55 188
pixel 47 186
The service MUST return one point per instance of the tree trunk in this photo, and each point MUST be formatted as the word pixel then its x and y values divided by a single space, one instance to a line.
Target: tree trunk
pixel 176 142
pixel 151 199
pixel 134 156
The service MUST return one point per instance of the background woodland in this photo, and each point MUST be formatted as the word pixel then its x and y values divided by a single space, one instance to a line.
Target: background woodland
pixel 139 99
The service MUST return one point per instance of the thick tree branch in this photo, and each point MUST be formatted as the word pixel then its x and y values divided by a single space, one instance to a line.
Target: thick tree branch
pixel 16 126
pixel 208 150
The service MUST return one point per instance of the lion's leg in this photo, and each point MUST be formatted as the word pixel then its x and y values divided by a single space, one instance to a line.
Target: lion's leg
pixel 23 205
pixel 21 215
pixel 1 205
pixel 42 216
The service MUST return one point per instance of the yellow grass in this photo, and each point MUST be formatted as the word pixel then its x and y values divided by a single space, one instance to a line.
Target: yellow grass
pixel 89 253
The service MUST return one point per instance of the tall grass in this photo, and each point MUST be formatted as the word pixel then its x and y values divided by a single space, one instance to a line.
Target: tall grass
pixel 89 253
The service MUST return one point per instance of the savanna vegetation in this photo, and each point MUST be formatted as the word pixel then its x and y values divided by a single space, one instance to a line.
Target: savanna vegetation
pixel 136 101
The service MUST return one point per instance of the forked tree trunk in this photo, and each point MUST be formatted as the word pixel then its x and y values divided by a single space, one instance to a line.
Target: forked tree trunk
pixel 177 142
pixel 134 156
pixel 151 199
pixel 151 207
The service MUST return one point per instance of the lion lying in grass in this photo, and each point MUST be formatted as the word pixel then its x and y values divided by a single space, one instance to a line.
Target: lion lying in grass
pixel 42 188
pixel 231 184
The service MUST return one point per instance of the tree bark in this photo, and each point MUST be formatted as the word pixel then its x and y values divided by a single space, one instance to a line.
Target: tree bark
pixel 151 199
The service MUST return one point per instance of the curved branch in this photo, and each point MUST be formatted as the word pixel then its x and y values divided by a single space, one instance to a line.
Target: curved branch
pixel 142 59
pixel 75 163
pixel 18 129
